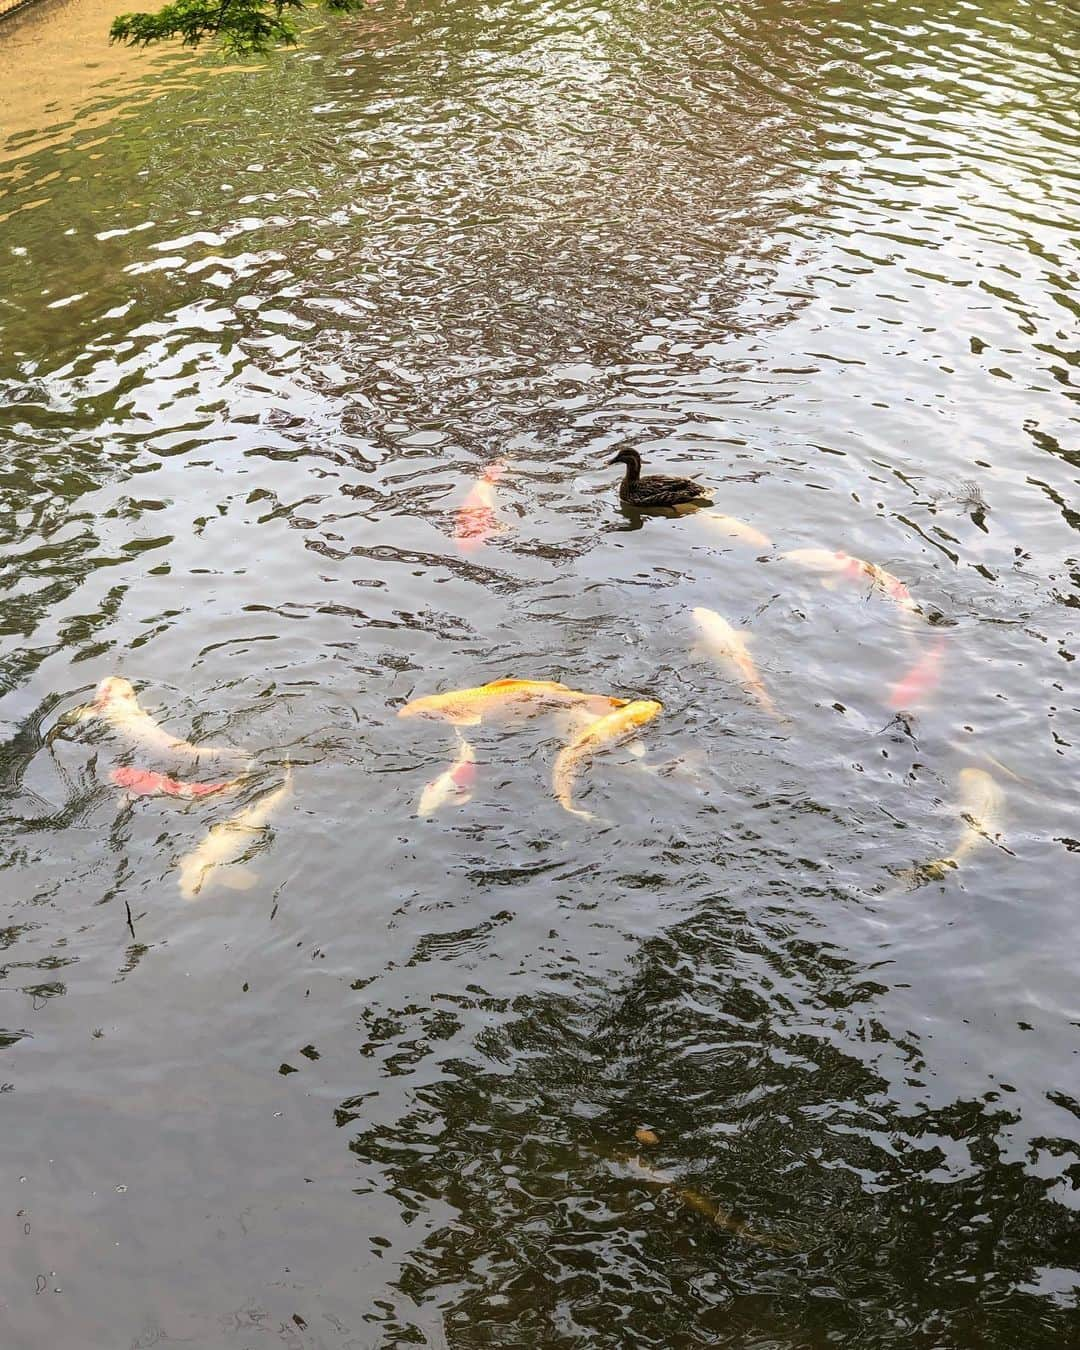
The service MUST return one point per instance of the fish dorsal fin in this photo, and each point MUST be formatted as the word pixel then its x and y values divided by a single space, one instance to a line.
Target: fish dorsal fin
pixel 546 684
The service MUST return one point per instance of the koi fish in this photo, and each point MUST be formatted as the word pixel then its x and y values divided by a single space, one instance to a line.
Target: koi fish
pixel 115 702
pixel 612 727
pixel 228 842
pixel 475 521
pixel 728 647
pixel 147 783
pixel 981 802
pixel 737 529
pixel 925 675
pixel 700 1204
pixel 468 707
pixel 454 784
pixel 843 565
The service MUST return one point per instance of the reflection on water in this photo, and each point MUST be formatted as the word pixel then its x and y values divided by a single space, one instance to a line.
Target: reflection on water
pixel 309 374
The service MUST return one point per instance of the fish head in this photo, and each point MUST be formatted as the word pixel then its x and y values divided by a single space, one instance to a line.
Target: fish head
pixel 453 785
pixel 820 559
pixel 642 710
pixel 896 588
pixel 713 625
pixel 431 705
pixel 191 874
pixel 114 690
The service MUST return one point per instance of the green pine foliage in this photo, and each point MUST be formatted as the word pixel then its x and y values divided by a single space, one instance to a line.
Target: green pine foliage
pixel 243 27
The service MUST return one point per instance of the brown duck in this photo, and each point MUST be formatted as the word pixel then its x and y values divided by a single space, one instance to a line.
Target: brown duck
pixel 655 490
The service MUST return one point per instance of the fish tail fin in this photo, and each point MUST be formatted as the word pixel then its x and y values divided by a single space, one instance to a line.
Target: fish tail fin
pixel 911 878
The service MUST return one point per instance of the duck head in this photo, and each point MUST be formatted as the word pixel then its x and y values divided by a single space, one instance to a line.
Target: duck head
pixel 631 459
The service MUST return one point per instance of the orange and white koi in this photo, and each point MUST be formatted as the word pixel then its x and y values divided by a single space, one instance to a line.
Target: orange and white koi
pixel 227 844
pixel 606 730
pixel 469 707
pixel 737 529
pixel 844 565
pixel 148 783
pixel 454 784
pixel 730 648
pixel 475 521
pixel 922 678
pixel 116 703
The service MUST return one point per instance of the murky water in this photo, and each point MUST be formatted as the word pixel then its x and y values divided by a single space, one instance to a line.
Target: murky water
pixel 260 332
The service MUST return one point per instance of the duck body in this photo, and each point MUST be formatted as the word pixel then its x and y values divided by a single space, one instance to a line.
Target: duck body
pixel 655 490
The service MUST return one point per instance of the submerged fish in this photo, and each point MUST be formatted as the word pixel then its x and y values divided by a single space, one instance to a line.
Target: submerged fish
pixel 148 783
pixel 923 677
pixel 475 521
pixel 700 1204
pixel 468 707
pixel 737 529
pixel 728 647
pixel 981 802
pixel 227 842
pixel 115 702
pixel 840 564
pixel 606 730
pixel 454 784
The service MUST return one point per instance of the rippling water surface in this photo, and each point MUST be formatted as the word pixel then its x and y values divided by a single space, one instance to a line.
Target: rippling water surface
pixel 261 330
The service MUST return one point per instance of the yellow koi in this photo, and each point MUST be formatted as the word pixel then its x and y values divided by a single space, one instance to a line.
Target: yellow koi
pixel 228 842
pixel 728 647
pixel 605 730
pixel 737 529
pixel 469 707
pixel 454 784
pixel 701 1204
pixel 116 703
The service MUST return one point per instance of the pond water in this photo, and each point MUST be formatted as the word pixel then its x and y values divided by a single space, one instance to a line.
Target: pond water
pixel 262 330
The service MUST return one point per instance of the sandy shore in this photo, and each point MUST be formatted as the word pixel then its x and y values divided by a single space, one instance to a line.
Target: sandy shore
pixel 57 65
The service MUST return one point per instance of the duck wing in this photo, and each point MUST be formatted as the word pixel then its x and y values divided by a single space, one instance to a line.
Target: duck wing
pixel 664 489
